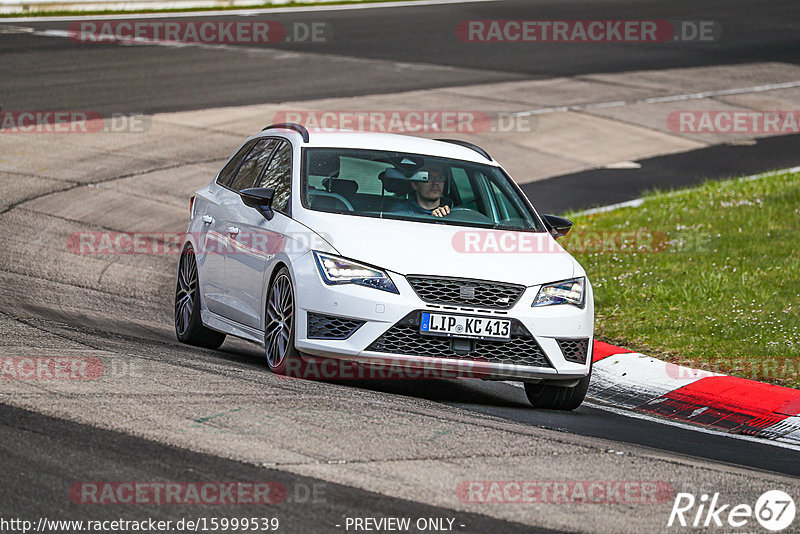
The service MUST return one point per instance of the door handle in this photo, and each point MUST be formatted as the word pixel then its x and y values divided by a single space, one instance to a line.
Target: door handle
pixel 208 219
pixel 233 230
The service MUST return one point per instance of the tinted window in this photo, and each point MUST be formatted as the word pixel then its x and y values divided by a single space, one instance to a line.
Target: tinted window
pixel 464 188
pixel 279 176
pixel 253 164
pixel 229 170
pixel 397 185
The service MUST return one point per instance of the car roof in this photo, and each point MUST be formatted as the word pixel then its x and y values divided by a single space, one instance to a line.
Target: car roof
pixel 383 141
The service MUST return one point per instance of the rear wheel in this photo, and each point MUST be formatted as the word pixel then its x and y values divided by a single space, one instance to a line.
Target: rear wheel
pixel 551 397
pixel 188 324
pixel 280 324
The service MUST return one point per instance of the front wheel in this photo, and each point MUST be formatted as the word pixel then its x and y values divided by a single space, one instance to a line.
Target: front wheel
pixel 280 324
pixel 551 397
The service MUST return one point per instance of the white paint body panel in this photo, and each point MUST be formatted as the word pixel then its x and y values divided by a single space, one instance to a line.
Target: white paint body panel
pixel 234 285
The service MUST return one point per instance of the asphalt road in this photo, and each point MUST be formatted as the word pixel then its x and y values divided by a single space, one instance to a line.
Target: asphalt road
pixel 382 448
pixel 57 73
pixel 58 454
pixel 603 187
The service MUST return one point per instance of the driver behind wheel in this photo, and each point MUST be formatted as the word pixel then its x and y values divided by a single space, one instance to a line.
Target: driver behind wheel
pixel 427 196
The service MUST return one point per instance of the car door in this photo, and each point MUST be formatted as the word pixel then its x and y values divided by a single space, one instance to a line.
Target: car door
pixel 259 239
pixel 212 240
pixel 229 205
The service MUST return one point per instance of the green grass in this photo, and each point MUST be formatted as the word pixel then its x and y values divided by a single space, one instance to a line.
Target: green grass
pixel 265 5
pixel 717 288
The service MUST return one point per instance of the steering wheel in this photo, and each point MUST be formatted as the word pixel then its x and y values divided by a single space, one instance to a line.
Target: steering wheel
pixel 468 215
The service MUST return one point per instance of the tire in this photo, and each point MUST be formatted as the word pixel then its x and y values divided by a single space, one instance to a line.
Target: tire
pixel 188 324
pixel 279 328
pixel 551 397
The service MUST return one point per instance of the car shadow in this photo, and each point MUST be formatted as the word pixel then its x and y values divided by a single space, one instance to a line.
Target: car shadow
pixel 467 391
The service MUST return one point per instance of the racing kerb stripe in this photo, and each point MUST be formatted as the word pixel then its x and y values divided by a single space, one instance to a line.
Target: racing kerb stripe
pixel 646 384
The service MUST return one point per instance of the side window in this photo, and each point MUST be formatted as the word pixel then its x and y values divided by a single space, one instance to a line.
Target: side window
pixel 253 164
pixel 227 172
pixel 507 208
pixel 279 176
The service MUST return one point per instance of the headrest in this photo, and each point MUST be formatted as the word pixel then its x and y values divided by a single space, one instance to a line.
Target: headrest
pixel 327 202
pixel 394 184
pixel 346 188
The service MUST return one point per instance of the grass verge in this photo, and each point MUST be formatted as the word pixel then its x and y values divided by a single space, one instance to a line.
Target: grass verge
pixel 707 277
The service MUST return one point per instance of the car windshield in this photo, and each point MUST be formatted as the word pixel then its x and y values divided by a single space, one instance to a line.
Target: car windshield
pixel 395 185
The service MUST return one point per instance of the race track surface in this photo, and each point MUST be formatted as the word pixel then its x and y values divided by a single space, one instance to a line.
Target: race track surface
pixel 163 411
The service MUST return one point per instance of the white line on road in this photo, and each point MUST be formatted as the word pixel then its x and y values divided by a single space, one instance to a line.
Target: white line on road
pixel 274 53
pixel 661 99
pixel 245 12
pixel 662 421
pixel 635 203
pixel 670 422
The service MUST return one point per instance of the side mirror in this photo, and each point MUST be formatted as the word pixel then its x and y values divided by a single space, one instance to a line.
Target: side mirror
pixel 558 226
pixel 259 198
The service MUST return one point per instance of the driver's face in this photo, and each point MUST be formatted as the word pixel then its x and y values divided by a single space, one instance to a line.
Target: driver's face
pixel 433 188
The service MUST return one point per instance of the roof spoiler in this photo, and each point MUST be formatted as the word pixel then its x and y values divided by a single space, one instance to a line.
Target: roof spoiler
pixel 299 128
pixel 469 145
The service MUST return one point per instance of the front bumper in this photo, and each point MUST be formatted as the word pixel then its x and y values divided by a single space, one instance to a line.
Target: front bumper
pixel 385 316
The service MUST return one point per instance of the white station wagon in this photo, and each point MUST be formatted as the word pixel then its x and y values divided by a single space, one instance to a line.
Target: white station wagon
pixel 387 250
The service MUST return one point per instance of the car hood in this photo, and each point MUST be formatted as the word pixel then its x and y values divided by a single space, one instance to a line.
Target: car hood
pixel 407 247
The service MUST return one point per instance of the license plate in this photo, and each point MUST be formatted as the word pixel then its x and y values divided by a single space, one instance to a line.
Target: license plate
pixel 465 326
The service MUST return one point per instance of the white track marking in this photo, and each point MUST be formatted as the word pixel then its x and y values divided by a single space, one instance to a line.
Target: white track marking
pixel 664 421
pixel 661 99
pixel 704 430
pixel 244 12
pixel 274 53
pixel 635 203
pixel 631 379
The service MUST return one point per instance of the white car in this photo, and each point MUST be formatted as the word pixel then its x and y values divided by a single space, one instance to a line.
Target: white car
pixel 328 247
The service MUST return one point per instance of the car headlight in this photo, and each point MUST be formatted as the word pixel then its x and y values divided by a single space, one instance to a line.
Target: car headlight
pixel 564 292
pixel 337 270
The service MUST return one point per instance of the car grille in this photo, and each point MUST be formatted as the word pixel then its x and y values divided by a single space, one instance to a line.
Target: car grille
pixel 574 349
pixel 331 327
pixel 404 338
pixel 466 292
